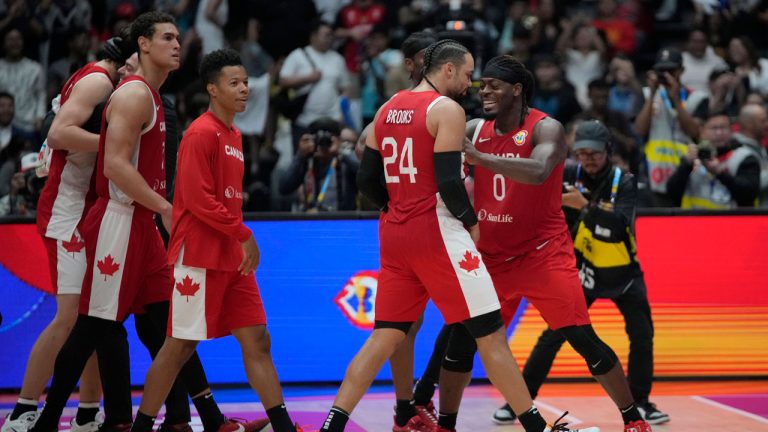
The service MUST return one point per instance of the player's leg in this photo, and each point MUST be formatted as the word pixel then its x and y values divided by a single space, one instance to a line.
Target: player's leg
pixel 401 364
pixel 400 301
pixel 152 334
pixel 366 364
pixel 426 385
pixel 636 310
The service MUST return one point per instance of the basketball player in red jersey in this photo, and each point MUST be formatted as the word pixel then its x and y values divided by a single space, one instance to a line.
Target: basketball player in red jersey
pixel 126 260
pixel 63 204
pixel 428 234
pixel 213 252
pixel 519 156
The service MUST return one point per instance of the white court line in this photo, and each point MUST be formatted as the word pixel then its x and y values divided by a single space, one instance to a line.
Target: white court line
pixel 557 412
pixel 731 409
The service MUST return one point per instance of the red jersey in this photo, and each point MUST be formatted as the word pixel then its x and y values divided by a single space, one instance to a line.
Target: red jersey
pixel 352 16
pixel 515 218
pixel 149 155
pixel 408 148
pixel 68 192
pixel 208 197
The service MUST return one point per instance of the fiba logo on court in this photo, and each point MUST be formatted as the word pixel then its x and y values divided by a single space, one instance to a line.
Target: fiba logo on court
pixel 520 137
pixel 358 297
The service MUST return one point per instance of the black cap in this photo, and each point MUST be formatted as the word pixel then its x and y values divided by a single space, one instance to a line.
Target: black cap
pixel 592 134
pixel 668 59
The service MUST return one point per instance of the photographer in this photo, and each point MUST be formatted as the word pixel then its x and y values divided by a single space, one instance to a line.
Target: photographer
pixel 599 204
pixel 666 121
pixel 718 173
pixel 324 169
pixel 24 191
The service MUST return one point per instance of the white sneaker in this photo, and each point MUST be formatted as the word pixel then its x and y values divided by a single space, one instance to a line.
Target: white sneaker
pixel 88 427
pixel 504 415
pixel 21 424
pixel 563 427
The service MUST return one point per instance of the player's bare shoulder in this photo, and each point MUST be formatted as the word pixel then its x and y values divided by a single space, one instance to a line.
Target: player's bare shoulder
pixel 548 130
pixel 132 101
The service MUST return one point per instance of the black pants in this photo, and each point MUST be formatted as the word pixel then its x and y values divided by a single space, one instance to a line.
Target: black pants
pixel 634 306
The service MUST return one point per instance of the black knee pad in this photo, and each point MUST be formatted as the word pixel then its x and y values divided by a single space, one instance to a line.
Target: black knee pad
pixel 461 349
pixel 485 324
pixel 397 325
pixel 600 357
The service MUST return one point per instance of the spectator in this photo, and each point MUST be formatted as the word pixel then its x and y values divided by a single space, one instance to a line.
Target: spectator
pixel 318 71
pixel 625 95
pixel 554 95
pixel 753 126
pixel 667 123
pixel 283 25
pixel 724 95
pixel 182 10
pixel 517 14
pixel 78 44
pixel 625 150
pixel 583 51
pixel 324 169
pixel 748 64
pixel 619 32
pixel 19 15
pixel 209 24
pixel 699 61
pixel 24 189
pixel 719 173
pixel 547 30
pixel 24 79
pixel 354 24
pixel 60 19
pixel 377 70
pixel 13 142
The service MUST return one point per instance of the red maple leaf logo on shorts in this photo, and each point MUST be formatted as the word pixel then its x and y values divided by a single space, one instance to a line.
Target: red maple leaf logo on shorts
pixel 471 262
pixel 186 287
pixel 107 266
pixel 74 245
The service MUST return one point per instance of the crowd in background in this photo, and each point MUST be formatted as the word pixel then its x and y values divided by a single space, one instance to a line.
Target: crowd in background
pixel 681 84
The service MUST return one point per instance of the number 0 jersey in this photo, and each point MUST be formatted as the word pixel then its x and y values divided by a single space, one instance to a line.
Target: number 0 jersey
pixel 407 149
pixel 515 218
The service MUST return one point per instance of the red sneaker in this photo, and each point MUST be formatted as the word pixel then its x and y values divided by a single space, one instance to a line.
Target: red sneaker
pixel 638 426
pixel 231 426
pixel 428 414
pixel 442 429
pixel 414 425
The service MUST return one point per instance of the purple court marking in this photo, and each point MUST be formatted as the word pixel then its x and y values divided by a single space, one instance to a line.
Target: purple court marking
pixel 310 421
pixel 756 404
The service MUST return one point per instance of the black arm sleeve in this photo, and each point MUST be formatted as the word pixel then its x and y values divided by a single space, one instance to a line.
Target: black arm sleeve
pixel 369 178
pixel 451 188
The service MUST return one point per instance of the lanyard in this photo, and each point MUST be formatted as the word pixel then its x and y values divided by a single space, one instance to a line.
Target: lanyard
pixel 326 181
pixel 614 183
pixel 668 102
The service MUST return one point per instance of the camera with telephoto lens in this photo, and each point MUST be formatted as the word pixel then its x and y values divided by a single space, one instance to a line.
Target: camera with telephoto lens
pixel 323 138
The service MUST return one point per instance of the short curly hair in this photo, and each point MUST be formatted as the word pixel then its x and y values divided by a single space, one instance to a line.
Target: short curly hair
pixel 214 62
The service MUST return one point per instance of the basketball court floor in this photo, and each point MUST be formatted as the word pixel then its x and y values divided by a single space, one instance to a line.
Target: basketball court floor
pixel 723 406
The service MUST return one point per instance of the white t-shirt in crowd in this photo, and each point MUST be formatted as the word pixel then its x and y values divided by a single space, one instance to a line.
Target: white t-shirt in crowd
pixel 323 100
pixel 696 71
pixel 580 69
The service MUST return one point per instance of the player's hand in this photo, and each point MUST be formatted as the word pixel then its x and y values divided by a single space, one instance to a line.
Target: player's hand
pixel 307 145
pixel 574 199
pixel 471 155
pixel 474 232
pixel 251 256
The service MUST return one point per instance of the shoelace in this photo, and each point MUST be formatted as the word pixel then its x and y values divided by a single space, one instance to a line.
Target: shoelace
pixel 562 427
pixel 429 409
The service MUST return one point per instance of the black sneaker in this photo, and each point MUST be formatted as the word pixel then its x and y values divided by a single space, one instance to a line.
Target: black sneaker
pixel 651 414
pixel 504 415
